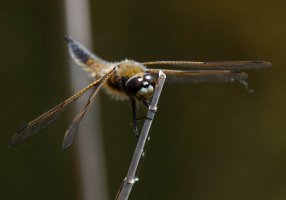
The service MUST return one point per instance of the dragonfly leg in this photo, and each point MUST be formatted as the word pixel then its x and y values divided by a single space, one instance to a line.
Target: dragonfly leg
pixel 134 115
pixel 147 104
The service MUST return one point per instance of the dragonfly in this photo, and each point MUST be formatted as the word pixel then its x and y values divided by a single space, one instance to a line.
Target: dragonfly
pixel 133 81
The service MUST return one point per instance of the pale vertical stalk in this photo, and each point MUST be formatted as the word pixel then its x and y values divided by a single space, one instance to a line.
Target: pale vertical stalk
pixel 89 146
pixel 130 179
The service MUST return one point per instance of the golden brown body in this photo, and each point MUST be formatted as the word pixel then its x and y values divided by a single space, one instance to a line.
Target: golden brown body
pixel 115 85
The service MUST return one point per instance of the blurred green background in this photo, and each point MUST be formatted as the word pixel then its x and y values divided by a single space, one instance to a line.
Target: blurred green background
pixel 208 141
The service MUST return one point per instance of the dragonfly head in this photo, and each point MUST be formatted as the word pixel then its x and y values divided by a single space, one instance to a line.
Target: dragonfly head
pixel 141 86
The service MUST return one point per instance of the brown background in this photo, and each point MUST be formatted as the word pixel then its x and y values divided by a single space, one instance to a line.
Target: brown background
pixel 209 141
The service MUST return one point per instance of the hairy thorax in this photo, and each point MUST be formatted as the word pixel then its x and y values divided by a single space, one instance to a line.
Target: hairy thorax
pixel 116 84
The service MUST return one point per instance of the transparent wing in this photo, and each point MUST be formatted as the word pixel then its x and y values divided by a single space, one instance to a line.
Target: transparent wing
pixel 201 76
pixel 215 65
pixel 74 126
pixel 50 116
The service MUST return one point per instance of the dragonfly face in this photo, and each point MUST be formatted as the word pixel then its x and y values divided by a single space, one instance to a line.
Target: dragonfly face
pixel 134 81
pixel 141 87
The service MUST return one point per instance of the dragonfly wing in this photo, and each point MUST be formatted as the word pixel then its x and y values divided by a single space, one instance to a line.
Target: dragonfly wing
pixel 201 76
pixel 215 65
pixel 50 116
pixel 74 126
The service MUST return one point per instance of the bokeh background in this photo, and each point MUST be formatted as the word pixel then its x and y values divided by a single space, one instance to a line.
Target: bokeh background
pixel 208 141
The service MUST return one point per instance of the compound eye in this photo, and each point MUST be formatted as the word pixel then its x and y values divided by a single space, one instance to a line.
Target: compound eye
pixel 150 79
pixel 134 84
